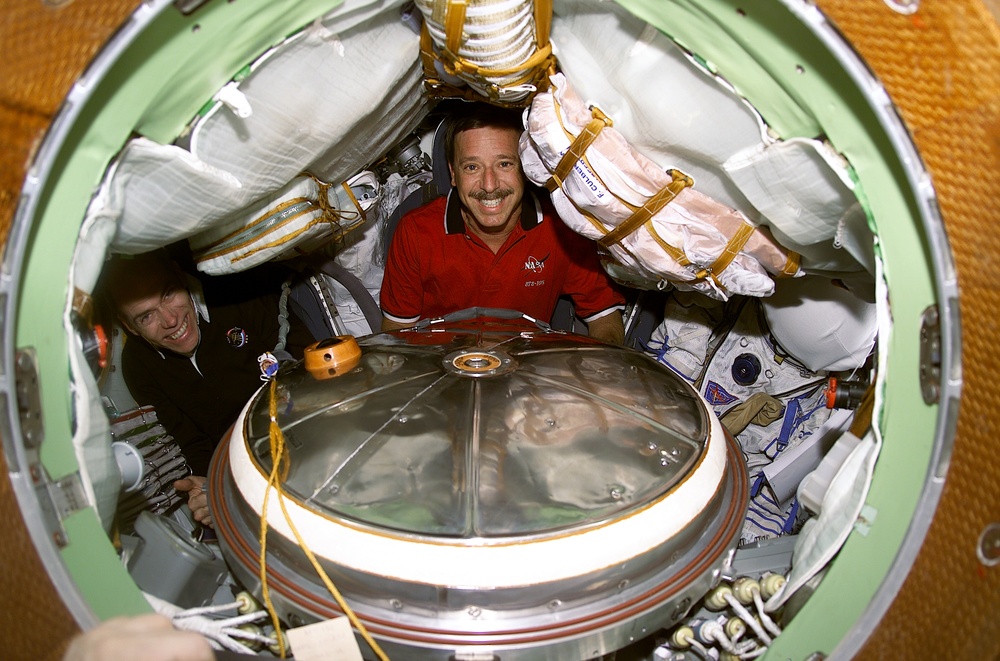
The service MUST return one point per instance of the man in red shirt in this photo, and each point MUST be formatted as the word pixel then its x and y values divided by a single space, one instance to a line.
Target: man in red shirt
pixel 490 243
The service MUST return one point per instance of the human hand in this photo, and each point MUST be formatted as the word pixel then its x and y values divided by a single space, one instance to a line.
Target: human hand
pixel 197 493
pixel 150 637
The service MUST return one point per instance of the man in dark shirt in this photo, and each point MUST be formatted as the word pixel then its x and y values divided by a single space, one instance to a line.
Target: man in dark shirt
pixel 196 351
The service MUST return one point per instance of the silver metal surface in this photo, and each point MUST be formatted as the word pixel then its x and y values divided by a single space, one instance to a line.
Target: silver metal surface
pixel 930 355
pixel 549 436
pixel 582 433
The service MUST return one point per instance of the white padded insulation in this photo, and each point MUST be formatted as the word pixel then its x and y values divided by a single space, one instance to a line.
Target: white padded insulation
pixel 321 93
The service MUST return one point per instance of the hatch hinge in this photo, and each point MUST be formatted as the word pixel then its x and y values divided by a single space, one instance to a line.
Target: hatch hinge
pixel 930 355
pixel 29 399
pixel 56 499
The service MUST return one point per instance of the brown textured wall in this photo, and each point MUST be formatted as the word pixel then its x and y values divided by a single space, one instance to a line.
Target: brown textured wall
pixel 43 49
pixel 941 66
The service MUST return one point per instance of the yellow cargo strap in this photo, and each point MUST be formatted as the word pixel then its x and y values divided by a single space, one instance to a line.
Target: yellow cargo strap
pixel 578 148
pixel 452 14
pixel 791 266
pixel 333 215
pixel 543 22
pixel 354 200
pixel 679 181
pixel 454 21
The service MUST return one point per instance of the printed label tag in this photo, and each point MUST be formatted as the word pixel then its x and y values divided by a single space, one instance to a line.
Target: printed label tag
pixel 332 639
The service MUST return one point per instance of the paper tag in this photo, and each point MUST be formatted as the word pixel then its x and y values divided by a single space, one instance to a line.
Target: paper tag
pixel 332 639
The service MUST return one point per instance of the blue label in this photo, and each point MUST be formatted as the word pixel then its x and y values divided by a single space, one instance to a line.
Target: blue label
pixel 716 394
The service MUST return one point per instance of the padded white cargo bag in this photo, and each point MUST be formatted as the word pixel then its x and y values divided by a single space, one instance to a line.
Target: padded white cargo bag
pixel 298 219
pixel 653 222
pixel 499 48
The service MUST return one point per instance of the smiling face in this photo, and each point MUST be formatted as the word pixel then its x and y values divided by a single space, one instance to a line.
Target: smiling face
pixel 155 306
pixel 486 172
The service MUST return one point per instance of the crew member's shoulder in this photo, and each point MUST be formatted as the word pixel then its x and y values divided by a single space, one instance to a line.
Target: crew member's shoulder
pixel 432 211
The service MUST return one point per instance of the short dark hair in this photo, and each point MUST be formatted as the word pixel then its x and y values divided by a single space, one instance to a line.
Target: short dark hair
pixel 476 116
pixel 121 273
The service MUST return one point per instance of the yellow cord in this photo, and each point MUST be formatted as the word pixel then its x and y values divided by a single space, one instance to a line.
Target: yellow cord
pixel 278 453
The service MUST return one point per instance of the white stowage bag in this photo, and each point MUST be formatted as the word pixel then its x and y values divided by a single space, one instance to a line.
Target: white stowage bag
pixel 684 113
pixel 298 219
pixel 606 186
pixel 495 50
pixel 322 102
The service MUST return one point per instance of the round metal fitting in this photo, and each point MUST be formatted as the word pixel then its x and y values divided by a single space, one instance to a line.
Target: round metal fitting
pixel 478 362
pixel 988 549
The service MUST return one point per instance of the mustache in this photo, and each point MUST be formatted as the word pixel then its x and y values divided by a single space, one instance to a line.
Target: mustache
pixel 498 194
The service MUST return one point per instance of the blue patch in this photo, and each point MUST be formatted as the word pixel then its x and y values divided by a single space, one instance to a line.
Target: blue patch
pixel 716 394
pixel 237 337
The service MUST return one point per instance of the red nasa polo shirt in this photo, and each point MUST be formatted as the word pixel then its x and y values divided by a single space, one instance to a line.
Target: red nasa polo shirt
pixel 435 266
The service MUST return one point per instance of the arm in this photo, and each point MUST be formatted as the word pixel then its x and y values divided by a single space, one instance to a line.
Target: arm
pixel 402 291
pixel 610 328
pixel 390 325
pixel 196 488
pixel 151 637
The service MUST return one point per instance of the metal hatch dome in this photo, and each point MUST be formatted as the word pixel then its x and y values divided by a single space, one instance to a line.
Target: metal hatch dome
pixel 470 486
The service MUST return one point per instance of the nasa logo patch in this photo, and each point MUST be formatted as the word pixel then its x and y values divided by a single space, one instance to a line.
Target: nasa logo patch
pixel 716 394
pixel 237 337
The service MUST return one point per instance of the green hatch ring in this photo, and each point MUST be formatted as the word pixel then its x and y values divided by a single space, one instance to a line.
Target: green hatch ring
pixel 162 66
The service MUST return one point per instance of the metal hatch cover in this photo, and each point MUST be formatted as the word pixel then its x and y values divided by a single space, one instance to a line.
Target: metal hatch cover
pixel 489 510
pixel 551 433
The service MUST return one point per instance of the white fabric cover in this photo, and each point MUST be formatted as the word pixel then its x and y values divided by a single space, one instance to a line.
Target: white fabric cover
pixel 824 326
pixel 612 177
pixel 285 225
pixel 679 115
pixel 318 94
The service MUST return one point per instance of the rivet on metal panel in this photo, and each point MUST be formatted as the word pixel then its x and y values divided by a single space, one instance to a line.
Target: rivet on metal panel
pixel 989 545
pixel 930 355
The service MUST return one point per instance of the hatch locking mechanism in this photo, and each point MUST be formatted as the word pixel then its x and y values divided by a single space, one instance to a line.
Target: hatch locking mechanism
pixel 56 499
pixel 930 355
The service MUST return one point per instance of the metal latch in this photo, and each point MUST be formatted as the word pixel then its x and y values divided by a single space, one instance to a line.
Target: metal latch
pixel 930 355
pixel 58 499
pixel 29 399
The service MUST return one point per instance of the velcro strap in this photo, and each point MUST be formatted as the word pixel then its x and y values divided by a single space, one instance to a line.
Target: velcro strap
pixel 791 265
pixel 538 59
pixel 427 52
pixel 677 254
pixel 453 24
pixel 578 148
pixel 543 22
pixel 354 199
pixel 733 248
pixel 653 206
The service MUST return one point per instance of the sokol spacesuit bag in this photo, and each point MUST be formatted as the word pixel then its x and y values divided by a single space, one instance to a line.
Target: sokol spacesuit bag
pixel 653 222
